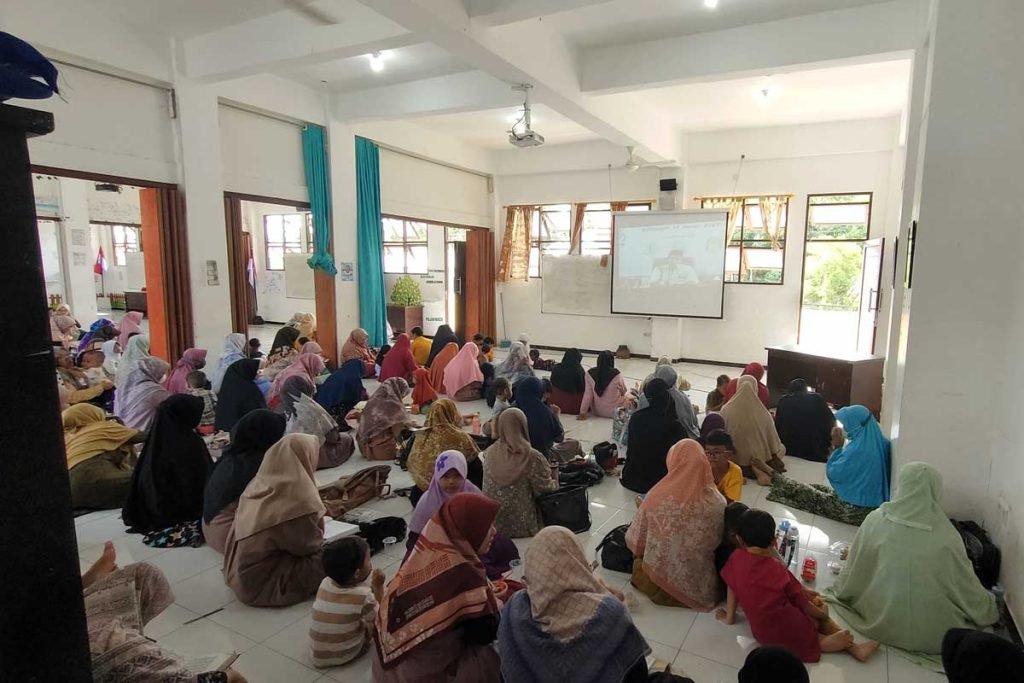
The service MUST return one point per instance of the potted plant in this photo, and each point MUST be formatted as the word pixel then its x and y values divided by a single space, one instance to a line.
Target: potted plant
pixel 405 310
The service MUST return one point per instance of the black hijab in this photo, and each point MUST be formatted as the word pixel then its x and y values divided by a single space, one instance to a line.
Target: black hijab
pixel 773 664
pixel 604 372
pixel 568 375
pixel 285 338
pixel 544 426
pixel 971 656
pixel 379 360
pixel 442 338
pixel 804 422
pixel 250 439
pixel 652 432
pixel 168 482
pixel 238 393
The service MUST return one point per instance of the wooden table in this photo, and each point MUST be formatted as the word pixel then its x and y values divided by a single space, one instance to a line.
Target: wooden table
pixel 843 379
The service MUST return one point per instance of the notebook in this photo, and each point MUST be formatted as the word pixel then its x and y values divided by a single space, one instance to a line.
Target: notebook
pixel 333 530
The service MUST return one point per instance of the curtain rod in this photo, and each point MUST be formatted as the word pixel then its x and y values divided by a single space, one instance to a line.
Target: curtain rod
pixel 280 118
pixel 414 155
pixel 742 196
pixel 100 72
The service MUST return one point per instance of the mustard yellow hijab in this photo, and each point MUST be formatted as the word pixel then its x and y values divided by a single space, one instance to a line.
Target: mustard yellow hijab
pixel 87 433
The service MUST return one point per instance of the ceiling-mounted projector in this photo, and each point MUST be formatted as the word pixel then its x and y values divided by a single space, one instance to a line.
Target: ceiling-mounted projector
pixel 524 136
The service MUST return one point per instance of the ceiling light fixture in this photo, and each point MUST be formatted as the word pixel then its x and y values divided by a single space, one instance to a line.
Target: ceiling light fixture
pixel 711 4
pixel 376 62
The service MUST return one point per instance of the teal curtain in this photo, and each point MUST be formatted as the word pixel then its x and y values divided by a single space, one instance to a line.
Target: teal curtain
pixel 370 243
pixel 318 182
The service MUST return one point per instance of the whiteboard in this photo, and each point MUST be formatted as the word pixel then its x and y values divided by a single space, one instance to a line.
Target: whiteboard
pixel 576 285
pixel 298 277
pixel 136 270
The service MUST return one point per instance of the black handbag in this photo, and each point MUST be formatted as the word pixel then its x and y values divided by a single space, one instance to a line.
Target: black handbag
pixel 613 551
pixel 566 507
pixel 983 554
pixel 606 454
pixel 579 473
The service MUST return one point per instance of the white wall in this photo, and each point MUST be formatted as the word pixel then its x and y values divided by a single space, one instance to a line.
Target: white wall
pixel 261 155
pixel 416 188
pixel 271 286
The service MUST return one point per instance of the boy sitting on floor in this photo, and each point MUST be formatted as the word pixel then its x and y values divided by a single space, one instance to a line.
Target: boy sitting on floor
pixel 197 386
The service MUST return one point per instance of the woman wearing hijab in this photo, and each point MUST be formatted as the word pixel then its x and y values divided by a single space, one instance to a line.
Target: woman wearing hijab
pixel 440 364
pixel 443 432
pixel 516 366
pixel 685 412
pixel 545 428
pixel 138 396
pixel 568 383
pixel 101 331
pixel 167 485
pixel 539 634
pixel 804 422
pixel 449 478
pixel 429 635
pixel 100 454
pixel 305 323
pixel 191 360
pixel 272 552
pixel 653 430
pixel 676 531
pixel 383 420
pixel 250 439
pixel 283 353
pixel 606 389
pixel 442 338
pixel 306 416
pixel 136 349
pixel 111 358
pixel 311 348
pixel 234 350
pixel 239 394
pixel 755 370
pixel 908 579
pixel 343 390
pixel 423 393
pixel 712 422
pixel 970 656
pixel 462 377
pixel 129 326
pixel 308 367
pixel 399 361
pixel 357 347
pixel 515 475
pixel 77 382
pixel 759 450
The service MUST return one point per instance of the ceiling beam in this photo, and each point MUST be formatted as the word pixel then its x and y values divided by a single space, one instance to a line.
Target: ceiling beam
pixel 467 91
pixel 286 40
pixel 499 12
pixel 864 33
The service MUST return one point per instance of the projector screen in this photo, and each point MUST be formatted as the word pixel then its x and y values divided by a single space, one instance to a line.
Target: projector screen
pixel 669 263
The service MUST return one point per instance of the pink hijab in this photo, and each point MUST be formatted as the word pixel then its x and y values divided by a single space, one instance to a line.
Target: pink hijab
pixel 306 365
pixel 463 369
pixel 176 382
pixel 130 324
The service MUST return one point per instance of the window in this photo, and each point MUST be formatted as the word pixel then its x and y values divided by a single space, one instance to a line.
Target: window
pixel 838 216
pixel 754 255
pixel 310 234
pixel 284 234
pixel 596 238
pixel 549 233
pixel 126 239
pixel 405 246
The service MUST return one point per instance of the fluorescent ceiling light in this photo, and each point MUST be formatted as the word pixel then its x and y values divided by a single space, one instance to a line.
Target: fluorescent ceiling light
pixel 711 4
pixel 377 62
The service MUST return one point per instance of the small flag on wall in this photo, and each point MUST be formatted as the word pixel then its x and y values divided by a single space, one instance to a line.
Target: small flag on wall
pixel 101 263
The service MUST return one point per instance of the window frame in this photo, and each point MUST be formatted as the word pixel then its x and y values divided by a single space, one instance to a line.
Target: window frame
pixel 114 244
pixel 303 248
pixel 535 216
pixel 741 243
pixel 406 243
pixel 647 204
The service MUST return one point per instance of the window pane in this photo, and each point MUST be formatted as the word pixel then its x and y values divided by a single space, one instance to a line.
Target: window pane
pixel 554 225
pixel 274 228
pixel 638 207
pixel 753 218
pixel 415 232
pixel 118 233
pixel 596 248
pixel 416 259
pixel 275 258
pixel 556 248
pixel 840 213
pixel 838 222
pixel 599 207
pixel 534 262
pixel 535 225
pixel 597 225
pixel 393 230
pixel 732 264
pixel 292 248
pixel 132 238
pixel 841 199
pixel 294 225
pixel 394 259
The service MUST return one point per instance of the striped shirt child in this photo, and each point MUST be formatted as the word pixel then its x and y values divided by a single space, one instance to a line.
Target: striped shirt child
pixel 342 617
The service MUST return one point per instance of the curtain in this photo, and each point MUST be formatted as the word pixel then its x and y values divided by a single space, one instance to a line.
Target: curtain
pixel 576 234
pixel 177 287
pixel 318 183
pixel 370 242
pixel 733 204
pixel 772 209
pixel 619 206
pixel 480 308
pixel 238 266
pixel 514 263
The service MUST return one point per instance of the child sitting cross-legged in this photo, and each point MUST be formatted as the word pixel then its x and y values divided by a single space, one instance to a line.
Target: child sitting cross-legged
pixel 780 612
pixel 345 607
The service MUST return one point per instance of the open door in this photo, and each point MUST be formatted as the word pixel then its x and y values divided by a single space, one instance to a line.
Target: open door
pixel 456 266
pixel 870 295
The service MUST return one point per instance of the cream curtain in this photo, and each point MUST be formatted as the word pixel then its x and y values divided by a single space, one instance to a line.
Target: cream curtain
pixel 576 234
pixel 514 263
pixel 772 209
pixel 733 204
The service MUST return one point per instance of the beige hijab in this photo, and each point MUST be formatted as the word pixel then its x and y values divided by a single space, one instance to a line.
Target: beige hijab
pixel 283 489
pixel 510 458
pixel 751 425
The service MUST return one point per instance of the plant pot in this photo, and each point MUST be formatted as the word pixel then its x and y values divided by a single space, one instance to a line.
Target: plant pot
pixel 404 318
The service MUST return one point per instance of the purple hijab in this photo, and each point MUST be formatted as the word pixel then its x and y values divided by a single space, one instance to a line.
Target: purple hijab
pixel 137 398
pixel 434 498
pixel 177 381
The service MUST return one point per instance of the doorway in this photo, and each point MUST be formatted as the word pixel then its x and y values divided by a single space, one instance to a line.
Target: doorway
pixel 840 296
pixel 455 279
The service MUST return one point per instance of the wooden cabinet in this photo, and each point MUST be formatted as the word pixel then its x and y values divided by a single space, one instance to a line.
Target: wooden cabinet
pixel 842 379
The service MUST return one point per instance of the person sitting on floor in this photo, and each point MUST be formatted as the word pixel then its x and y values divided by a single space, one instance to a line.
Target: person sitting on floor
pixel 234 350
pixel 383 420
pixel 442 338
pixel 685 412
pixel 730 543
pixel 774 602
pixel 451 639
pixel 251 437
pixel 716 397
pixel 345 607
pixel 399 361
pixel 78 385
pixel 239 394
pixel 252 349
pixel 515 474
pixel 100 453
pixel 516 366
pixel 675 532
pixel 197 387
pixel 804 422
pixel 755 370
pixel 423 393
pixel 177 378
pixel 545 428
pixel 312 348
pixel 538 363
pixel 908 579
pixel 499 399
pixel 272 552
pixel 357 347
pixel 140 394
pixel 568 383
pixel 92 365
pixel 342 391
pixel 606 389
pixel 442 432
pixel 489 352
pixel 306 416
pixel 727 474
pixel 970 656
pixel 759 450
pixel 462 378
pixel 420 346
pixel 282 352
pixel 653 431
pixel 165 501
pixel 307 366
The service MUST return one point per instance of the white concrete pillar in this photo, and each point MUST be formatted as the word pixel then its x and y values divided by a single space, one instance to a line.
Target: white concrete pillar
pixel 75 235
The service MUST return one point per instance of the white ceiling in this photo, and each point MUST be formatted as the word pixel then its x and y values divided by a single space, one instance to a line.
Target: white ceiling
pixel 834 94
pixel 186 18
pixel 489 129
pixel 629 21
pixel 403 64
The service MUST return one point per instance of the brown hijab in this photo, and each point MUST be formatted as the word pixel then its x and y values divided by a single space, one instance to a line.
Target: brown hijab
pixel 510 458
pixel 356 347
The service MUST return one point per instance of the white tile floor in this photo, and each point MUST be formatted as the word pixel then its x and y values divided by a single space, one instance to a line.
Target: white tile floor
pixel 273 642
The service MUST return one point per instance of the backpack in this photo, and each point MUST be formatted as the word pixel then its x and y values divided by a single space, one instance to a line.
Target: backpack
pixel 348 493
pixel 983 554
pixel 579 473
pixel 376 526
pixel 606 454
pixel 615 554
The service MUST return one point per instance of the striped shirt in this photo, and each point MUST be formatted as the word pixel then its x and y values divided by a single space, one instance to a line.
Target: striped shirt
pixel 341 618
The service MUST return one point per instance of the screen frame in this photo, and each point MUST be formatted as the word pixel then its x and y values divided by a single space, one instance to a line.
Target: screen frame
pixel 612 270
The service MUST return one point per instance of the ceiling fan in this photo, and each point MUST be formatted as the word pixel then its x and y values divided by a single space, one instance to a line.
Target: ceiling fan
pixel 308 9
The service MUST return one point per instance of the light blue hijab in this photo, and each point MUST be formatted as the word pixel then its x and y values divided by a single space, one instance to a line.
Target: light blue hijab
pixel 859 471
pixel 234 350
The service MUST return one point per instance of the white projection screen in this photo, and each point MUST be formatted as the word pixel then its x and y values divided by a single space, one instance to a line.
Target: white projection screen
pixel 669 263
